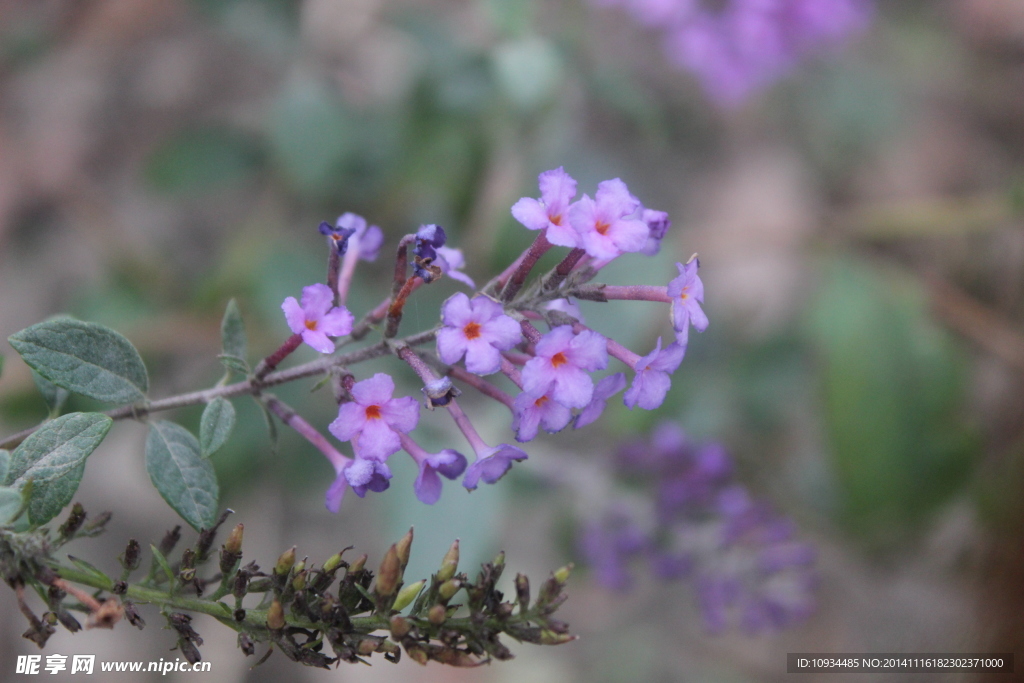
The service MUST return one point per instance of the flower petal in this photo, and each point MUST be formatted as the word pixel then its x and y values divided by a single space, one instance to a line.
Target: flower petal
pixel 317 300
pixel 337 323
pixel 294 315
pixel 318 340
pixel 402 413
pixel 350 421
pixel 377 441
pixel 375 390
pixel 531 213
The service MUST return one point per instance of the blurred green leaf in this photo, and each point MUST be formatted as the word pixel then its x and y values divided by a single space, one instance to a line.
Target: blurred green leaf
pixel 54 396
pixel 53 458
pixel 5 465
pixel 893 388
pixel 10 504
pixel 234 342
pixel 85 358
pixel 202 160
pixel 529 71
pixel 215 427
pixel 181 474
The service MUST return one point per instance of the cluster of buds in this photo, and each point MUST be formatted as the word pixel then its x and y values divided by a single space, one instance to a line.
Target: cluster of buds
pixel 499 330
pixel 296 607
pixel 745 563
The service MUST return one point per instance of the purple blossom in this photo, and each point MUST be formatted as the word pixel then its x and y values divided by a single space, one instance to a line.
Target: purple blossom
pixel 492 464
pixel 560 364
pixel 348 224
pixel 605 389
pixel 452 262
pixel 370 242
pixel 367 473
pixel 336 491
pixel 658 223
pixel 652 381
pixel 478 329
pixel 550 212
pixel 531 413
pixel 373 420
pixel 428 239
pixel 608 224
pixel 316 319
pixel 447 462
pixel 687 294
pixel 609 544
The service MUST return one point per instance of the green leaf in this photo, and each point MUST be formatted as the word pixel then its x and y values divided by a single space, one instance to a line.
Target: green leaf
pixel 216 425
pixel 180 473
pixel 53 458
pixel 54 396
pixel 268 417
pixel 233 339
pixel 10 504
pixel 87 568
pixel 162 562
pixel 5 465
pixel 85 358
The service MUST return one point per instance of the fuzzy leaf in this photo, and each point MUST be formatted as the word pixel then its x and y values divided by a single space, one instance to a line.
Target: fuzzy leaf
pixel 85 358
pixel 216 425
pixel 233 339
pixel 5 465
pixel 181 474
pixel 53 458
pixel 54 396
pixel 10 504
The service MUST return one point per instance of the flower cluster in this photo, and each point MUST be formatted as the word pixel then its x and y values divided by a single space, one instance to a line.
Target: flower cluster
pixel 496 331
pixel 745 564
pixel 736 47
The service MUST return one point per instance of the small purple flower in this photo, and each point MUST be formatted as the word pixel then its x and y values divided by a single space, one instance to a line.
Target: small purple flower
pixel 316 319
pixel 658 223
pixel 531 412
pixel 492 464
pixel 687 294
pixel 367 473
pixel 550 212
pixel 370 242
pixel 607 224
pixel 447 462
pixel 373 419
pixel 605 389
pixel 652 381
pixel 479 329
pixel 336 491
pixel 347 225
pixel 452 262
pixel 428 239
pixel 560 365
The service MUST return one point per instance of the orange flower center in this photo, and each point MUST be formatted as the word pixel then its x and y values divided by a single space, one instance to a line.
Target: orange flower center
pixel 602 227
pixel 556 220
pixel 471 330
pixel 683 294
pixel 540 401
pixel 558 359
pixel 310 324
pixel 373 412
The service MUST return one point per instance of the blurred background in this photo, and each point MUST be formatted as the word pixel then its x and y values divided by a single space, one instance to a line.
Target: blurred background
pixel 860 224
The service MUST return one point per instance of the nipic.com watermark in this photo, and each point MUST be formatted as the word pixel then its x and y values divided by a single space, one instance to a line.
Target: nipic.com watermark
pixel 86 664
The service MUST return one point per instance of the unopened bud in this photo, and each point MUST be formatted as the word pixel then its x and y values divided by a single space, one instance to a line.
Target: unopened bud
pixel 132 555
pixel 189 651
pixel 523 591
pixel 448 589
pixel 170 540
pixel 408 594
pixel 99 521
pixel 246 645
pixel 358 564
pixel 437 615
pixel 234 543
pixel 499 561
pixel 418 654
pixel 404 547
pixel 74 521
pixel 131 613
pixel 299 581
pixel 275 616
pixel 333 562
pixel 439 392
pixel 450 563
pixel 400 627
pixel 390 572
pixel 551 638
pixel 367 646
pixel 285 562
pixel 562 575
pixel 300 565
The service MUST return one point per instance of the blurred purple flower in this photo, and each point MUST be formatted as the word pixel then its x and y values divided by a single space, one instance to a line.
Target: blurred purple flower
pixel 492 464
pixel 452 262
pixel 316 319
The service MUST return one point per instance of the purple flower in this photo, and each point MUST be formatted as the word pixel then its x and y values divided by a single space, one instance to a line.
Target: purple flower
pixel 452 262
pixel 687 294
pixel 607 224
pixel 652 382
pixel 428 239
pixel 605 389
pixel 367 473
pixel 448 462
pixel 560 364
pixel 658 223
pixel 530 413
pixel 316 319
pixel 373 419
pixel 492 464
pixel 479 329
pixel 550 212
pixel 347 225
pixel 608 545
pixel 370 241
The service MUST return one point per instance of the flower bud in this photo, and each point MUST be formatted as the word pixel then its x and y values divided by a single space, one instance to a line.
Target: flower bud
pixel 234 543
pixel 551 638
pixel 499 561
pixel 404 547
pixel 285 562
pixel 523 591
pixel 132 555
pixel 400 627
pixel 189 651
pixel 170 540
pixel 450 563
pixel 562 575
pixel 408 594
pixel 74 521
pixel 275 616
pixel 437 615
pixel 390 572
pixel 358 564
pixel 448 589
pixel 245 644
pixel 418 654
pixel 333 562
pixel 299 581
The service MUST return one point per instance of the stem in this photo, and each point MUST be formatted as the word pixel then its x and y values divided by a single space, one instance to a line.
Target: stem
pixel 295 421
pixel 466 427
pixel 526 262
pixel 348 269
pixel 478 383
pixel 270 362
pixel 248 386
pixel 635 293
pixel 398 304
pixel 562 270
pixel 333 260
pixel 511 371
